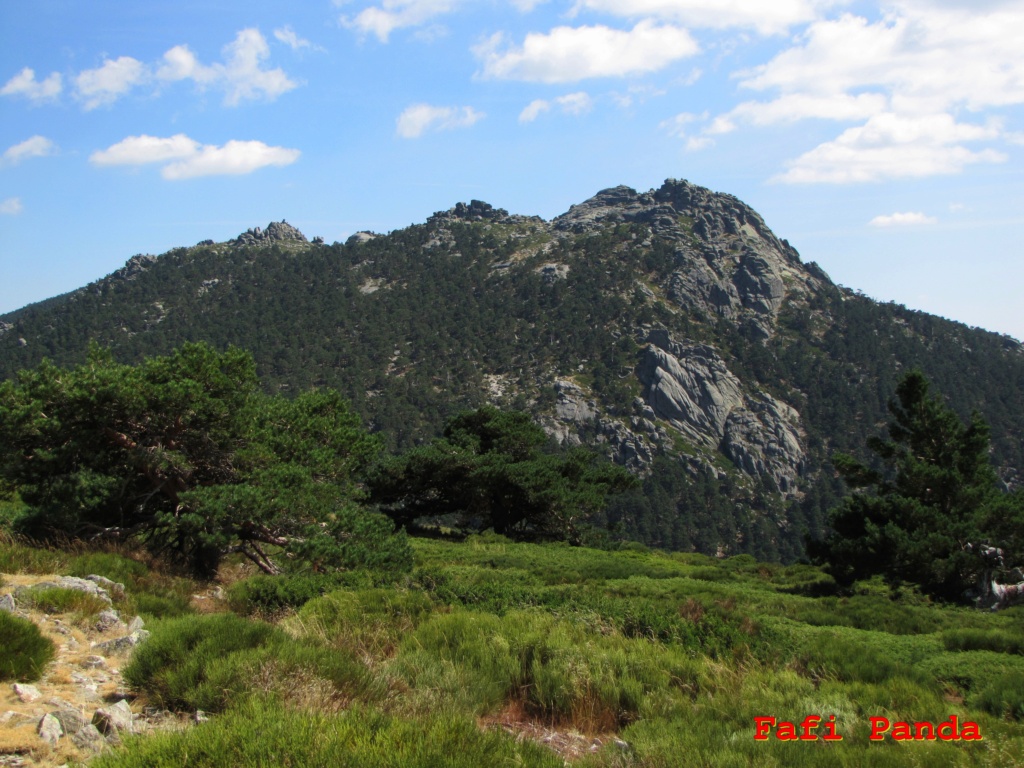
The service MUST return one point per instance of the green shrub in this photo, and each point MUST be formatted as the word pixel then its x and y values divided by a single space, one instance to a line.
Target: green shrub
pixel 167 606
pixel 62 600
pixel 369 622
pixel 206 662
pixel 269 595
pixel 1003 697
pixel 982 640
pixel 24 652
pixel 259 734
pixel 112 566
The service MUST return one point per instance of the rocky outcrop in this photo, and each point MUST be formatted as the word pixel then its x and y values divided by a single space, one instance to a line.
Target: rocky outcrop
pixel 135 266
pixel 690 387
pixel 729 263
pixel 276 232
pixel 579 419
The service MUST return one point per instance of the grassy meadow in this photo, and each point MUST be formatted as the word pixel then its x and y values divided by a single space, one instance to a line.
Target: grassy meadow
pixel 643 658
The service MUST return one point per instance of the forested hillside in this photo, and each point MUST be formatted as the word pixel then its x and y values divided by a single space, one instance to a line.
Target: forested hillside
pixel 671 329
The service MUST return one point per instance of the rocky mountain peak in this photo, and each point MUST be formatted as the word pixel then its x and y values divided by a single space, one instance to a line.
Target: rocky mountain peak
pixel 276 231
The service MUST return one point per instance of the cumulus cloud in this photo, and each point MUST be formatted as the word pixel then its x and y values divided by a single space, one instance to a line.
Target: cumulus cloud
pixel 902 79
pixel 533 110
pixel 11 206
pixel 390 15
pixel 766 16
pixel 241 74
pixel 568 54
pixel 233 159
pixel 902 220
pixel 37 91
pixel 420 118
pixel 891 146
pixel 289 37
pixel 571 104
pixel 37 146
pixel 186 158
pixel 109 82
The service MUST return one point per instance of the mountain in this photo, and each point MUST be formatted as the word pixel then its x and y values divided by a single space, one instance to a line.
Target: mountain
pixel 671 329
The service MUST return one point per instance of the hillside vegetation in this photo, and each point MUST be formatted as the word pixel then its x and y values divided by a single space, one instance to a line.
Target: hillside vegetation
pixel 490 649
pixel 591 323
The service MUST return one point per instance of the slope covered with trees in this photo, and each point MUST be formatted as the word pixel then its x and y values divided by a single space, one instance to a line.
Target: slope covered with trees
pixel 557 319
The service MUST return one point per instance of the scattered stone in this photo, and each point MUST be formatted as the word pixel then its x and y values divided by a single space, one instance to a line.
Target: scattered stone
pixel 86 585
pixel 94 662
pixel 27 693
pixel 7 603
pixel 136 624
pixel 121 644
pixel 116 718
pixel 16 719
pixel 108 620
pixel 200 717
pixel 89 739
pixel 71 720
pixel 114 588
pixel 50 730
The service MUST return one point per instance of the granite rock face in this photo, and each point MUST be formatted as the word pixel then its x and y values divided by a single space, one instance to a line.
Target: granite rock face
pixel 729 264
pixel 276 232
pixel 690 387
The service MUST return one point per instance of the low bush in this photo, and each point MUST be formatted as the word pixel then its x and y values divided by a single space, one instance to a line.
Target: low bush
pixel 62 600
pixel 258 734
pixel 24 652
pixel 207 662
pixel 982 640
pixel 1003 697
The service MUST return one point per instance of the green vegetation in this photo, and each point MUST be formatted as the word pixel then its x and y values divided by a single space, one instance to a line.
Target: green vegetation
pixel 185 455
pixel 488 471
pixel 61 600
pixel 934 508
pixel 24 652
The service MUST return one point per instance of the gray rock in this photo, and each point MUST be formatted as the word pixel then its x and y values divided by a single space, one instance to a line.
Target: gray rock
pixel 361 237
pixel 689 386
pixel 89 739
pixel 116 718
pixel 84 585
pixel 114 588
pixel 122 644
pixel 71 720
pixel 7 603
pixel 135 624
pixel 50 730
pixel 108 620
pixel 276 231
pixel 94 662
pixel 26 693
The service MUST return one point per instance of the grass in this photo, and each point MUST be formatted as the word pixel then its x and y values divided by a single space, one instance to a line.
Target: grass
pixel 674 654
pixel 24 652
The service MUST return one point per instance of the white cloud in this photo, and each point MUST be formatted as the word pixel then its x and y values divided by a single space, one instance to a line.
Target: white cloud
pixel 533 110
pixel 571 104
pixel 139 150
pixel 233 159
pixel 891 146
pixel 186 158
pixel 927 58
pixel 289 37
pixel 11 206
pixel 395 14
pixel 25 84
pixel 109 82
pixel 766 16
pixel 37 146
pixel 793 107
pixel 241 74
pixel 420 118
pixel 902 220
pixel 678 125
pixel 568 54
pixel 525 6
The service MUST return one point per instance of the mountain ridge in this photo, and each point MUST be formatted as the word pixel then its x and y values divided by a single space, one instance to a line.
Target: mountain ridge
pixel 670 329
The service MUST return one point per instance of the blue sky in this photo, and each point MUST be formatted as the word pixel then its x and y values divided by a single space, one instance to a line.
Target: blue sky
pixel 884 140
